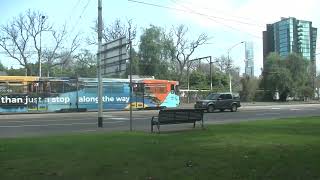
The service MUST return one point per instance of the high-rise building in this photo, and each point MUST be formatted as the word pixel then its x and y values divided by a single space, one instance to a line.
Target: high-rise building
pixel 290 35
pixel 249 62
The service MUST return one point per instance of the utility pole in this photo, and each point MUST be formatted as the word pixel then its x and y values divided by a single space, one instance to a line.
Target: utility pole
pixel 100 83
pixel 130 68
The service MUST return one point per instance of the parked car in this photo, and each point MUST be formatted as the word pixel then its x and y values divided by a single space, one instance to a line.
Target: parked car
pixel 219 101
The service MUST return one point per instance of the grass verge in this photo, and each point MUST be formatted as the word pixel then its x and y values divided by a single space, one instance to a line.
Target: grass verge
pixel 279 149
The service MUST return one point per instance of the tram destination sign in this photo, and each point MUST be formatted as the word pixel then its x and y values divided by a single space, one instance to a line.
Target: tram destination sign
pixel 114 56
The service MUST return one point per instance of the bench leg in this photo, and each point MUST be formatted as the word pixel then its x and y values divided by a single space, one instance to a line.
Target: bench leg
pixel 202 123
pixel 194 124
pixel 158 126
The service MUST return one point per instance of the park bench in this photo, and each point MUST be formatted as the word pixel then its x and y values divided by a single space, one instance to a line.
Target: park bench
pixel 177 116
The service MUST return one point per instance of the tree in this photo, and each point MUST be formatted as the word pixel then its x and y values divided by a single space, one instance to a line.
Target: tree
pixel 113 31
pixel 85 64
pixel 288 76
pixel 198 80
pixel 21 71
pixel 21 38
pixel 277 77
pixel 223 63
pixel 249 88
pixel 15 38
pixel 185 48
pixel 2 67
pixel 156 50
pixel 116 30
pixel 57 55
pixel 220 81
pixel 301 78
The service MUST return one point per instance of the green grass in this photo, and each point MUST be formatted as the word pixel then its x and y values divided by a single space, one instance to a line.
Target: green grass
pixel 279 149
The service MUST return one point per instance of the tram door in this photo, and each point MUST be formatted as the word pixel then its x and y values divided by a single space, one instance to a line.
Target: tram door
pixel 138 96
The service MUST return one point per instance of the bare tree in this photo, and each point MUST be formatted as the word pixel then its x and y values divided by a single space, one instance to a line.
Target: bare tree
pixel 114 31
pixel 38 25
pixel 224 63
pixel 14 39
pixel 58 55
pixel 21 39
pixel 185 48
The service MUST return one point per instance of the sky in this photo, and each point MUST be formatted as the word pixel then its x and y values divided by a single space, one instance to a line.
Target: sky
pixel 227 22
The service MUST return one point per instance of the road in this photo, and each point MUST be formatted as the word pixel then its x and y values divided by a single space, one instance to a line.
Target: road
pixel 21 125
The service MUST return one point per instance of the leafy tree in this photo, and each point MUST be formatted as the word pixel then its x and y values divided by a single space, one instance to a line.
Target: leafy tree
pixel 220 80
pixel 301 78
pixel 156 50
pixel 19 71
pixel 287 76
pixel 2 67
pixel 198 80
pixel 249 88
pixel 85 64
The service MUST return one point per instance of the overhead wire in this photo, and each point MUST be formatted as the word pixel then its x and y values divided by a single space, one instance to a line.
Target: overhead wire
pixel 80 16
pixel 223 12
pixel 212 18
pixel 217 17
pixel 194 12
pixel 229 26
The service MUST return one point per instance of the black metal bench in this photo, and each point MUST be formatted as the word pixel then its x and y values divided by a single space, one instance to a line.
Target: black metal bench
pixel 177 116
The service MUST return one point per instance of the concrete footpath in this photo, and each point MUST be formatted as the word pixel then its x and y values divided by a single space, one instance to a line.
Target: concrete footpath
pixel 244 104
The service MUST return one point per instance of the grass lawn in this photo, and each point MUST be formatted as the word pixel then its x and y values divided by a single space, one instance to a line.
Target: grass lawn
pixel 280 149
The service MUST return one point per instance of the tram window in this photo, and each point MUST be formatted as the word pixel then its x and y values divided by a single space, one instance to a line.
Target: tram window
pixel 172 87
pixel 147 89
pixel 161 90
pixel 57 87
pixel 117 88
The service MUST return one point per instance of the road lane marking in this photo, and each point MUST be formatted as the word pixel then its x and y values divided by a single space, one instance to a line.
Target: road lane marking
pixel 115 118
pixel 263 114
pixel 47 125
pixel 87 130
pixel 56 120
pixel 41 120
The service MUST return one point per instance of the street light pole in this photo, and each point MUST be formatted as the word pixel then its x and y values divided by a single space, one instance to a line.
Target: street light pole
pixel 188 79
pixel 230 80
pixel 42 18
pixel 210 73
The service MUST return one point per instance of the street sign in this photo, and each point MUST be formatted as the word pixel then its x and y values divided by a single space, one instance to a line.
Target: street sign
pixel 114 56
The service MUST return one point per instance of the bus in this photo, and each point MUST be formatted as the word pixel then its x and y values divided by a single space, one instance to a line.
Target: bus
pixel 51 94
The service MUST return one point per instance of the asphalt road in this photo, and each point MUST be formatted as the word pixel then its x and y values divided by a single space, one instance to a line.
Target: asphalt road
pixel 21 125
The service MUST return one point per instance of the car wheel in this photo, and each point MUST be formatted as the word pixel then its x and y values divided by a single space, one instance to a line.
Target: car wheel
pixel 234 108
pixel 210 108
pixel 221 110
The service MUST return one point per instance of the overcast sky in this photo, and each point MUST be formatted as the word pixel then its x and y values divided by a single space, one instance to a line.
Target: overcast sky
pixel 228 22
